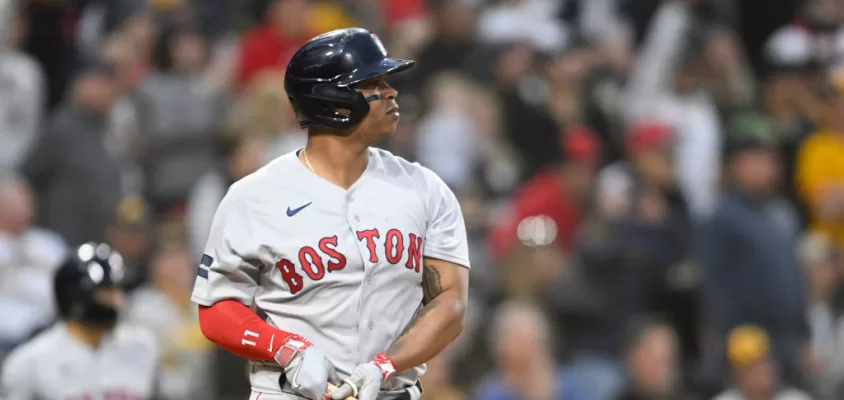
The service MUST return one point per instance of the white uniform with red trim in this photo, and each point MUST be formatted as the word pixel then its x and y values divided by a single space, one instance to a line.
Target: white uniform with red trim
pixel 56 366
pixel 342 268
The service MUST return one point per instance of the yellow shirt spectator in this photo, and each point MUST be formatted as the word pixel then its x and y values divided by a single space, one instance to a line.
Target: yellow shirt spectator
pixel 819 175
pixel 326 17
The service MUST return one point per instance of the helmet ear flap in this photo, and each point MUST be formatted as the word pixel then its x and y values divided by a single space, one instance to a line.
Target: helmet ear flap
pixel 294 105
pixel 303 121
pixel 332 106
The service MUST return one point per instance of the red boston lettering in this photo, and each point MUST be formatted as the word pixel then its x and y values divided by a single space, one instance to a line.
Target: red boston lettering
pixel 414 253
pixel 370 235
pixel 338 260
pixel 394 246
pixel 289 275
pixel 311 263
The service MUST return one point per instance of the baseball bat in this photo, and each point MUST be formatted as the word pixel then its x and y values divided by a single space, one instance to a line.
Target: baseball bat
pixel 332 388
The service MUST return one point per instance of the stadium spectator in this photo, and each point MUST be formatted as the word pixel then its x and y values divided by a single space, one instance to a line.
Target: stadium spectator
pixel 666 85
pixel 559 192
pixel 262 110
pixel 270 45
pixel 28 256
pixel 451 45
pixel 819 258
pixel 525 369
pixel 182 118
pixel 77 182
pixel 636 233
pixel 163 307
pixel 129 233
pixel 750 253
pixel 22 90
pixel 754 370
pixel 653 363
pixel 820 177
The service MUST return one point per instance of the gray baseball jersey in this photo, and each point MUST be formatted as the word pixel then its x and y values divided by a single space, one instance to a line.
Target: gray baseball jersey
pixel 342 268
pixel 55 366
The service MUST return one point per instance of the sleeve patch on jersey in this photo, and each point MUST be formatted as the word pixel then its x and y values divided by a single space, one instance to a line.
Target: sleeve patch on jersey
pixel 204 266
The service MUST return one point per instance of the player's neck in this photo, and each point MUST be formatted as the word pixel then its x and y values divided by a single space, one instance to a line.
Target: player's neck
pixel 89 336
pixel 340 160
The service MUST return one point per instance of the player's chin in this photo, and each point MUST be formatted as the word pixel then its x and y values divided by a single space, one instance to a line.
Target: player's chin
pixel 389 126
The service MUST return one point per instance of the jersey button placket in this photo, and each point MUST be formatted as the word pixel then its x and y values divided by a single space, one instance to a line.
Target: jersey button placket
pixel 351 215
pixel 353 219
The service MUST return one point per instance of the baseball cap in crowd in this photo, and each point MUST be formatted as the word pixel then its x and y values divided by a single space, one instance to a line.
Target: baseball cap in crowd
pixel 580 143
pixel 788 50
pixel 648 135
pixel 172 232
pixel 746 345
pixel 751 130
pixel 133 213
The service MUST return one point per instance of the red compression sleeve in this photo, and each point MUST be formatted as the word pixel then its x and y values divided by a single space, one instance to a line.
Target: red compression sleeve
pixel 236 328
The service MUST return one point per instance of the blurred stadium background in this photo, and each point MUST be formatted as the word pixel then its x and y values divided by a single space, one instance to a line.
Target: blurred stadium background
pixel 654 189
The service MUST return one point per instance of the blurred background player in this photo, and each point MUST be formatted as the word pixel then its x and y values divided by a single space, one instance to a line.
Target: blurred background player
pixel 86 355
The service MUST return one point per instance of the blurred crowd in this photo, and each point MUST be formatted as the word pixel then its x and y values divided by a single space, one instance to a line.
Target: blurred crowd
pixel 653 189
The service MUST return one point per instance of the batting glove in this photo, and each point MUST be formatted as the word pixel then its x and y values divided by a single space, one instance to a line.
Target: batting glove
pixel 366 379
pixel 305 366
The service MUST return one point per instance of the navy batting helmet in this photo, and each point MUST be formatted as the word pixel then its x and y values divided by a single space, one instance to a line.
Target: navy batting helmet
pixel 320 74
pixel 90 267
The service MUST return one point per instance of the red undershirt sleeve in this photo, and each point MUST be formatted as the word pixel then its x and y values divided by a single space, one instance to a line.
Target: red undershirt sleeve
pixel 236 328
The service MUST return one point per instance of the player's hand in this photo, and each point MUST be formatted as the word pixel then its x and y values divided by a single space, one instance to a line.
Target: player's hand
pixel 366 379
pixel 306 368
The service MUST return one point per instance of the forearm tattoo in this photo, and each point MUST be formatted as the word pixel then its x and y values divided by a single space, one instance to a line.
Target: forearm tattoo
pixel 401 341
pixel 432 285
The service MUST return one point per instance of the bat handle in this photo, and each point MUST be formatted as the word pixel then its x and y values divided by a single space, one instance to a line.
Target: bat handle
pixel 332 388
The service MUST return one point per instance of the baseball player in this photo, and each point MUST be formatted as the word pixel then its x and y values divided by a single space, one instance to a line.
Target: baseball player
pixel 357 257
pixel 86 356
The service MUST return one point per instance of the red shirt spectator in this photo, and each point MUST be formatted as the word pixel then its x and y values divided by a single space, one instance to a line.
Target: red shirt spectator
pixel 396 11
pixel 262 49
pixel 271 45
pixel 290 23
pixel 556 193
